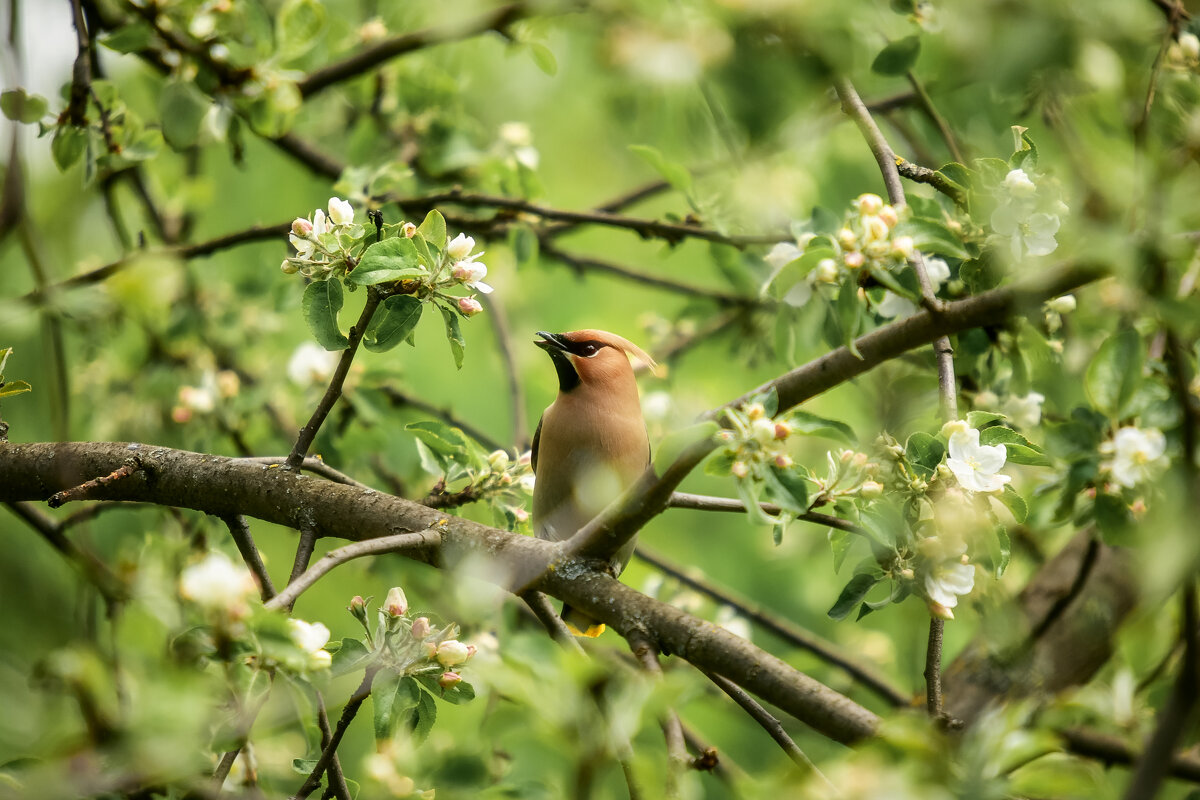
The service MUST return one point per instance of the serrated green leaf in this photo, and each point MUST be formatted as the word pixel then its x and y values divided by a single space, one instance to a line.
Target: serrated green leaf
pixel 461 692
pixel 182 108
pixel 392 697
pixel 853 594
pixel 840 542
pixel 433 229
pixel 810 424
pixel 1020 450
pixel 305 766
pixel 670 448
pixel 395 319
pixel 1014 503
pixel 390 260
pixel 931 236
pixel 924 452
pixel 980 419
pixel 458 345
pixel 14 387
pixel 543 56
pixel 130 38
pixel 298 25
pixel 350 656
pixel 1114 520
pixel 898 57
pixel 19 106
pixel 424 718
pixel 1115 373
pixel 67 145
pixel 440 437
pixel 959 174
pixel 320 306
pixel 849 315
pixel 675 174
pixel 786 488
pixel 720 464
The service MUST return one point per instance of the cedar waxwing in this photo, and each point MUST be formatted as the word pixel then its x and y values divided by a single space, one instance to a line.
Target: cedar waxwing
pixel 590 444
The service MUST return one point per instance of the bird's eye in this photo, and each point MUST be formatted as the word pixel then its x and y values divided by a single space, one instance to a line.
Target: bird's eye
pixel 589 349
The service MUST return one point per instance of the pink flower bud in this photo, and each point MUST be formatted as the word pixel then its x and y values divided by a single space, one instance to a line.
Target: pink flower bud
pixel 872 489
pixel 782 430
pixel 869 203
pixel 889 216
pixel 421 627
pixel 409 229
pixel 396 603
pixel 301 227
pixel 783 461
pixel 854 260
pixel 449 680
pixel 469 306
pixel 181 414
pixel 521 515
pixel 357 603
pixel 452 652
pixel 430 650
pixel 740 470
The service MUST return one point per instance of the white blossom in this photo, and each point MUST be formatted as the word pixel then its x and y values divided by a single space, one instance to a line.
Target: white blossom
pixel 460 247
pixel 977 467
pixel 453 652
pixel 1024 412
pixel 340 211
pixel 782 254
pixel 310 363
pixel 1062 305
pixel 471 275
pixel 311 637
pixel 218 584
pixel 945 582
pixel 893 306
pixel 1138 455
pixel 1018 184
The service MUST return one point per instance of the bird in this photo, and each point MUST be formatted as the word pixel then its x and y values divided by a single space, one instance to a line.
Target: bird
pixel 590 444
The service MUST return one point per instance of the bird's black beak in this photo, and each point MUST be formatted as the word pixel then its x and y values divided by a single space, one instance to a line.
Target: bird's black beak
pixel 551 342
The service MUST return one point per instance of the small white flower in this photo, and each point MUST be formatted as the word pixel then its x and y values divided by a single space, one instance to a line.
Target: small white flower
pixel 938 271
pixel 308 636
pixel 1018 184
pixel 656 406
pixel 893 306
pixel 460 247
pixel 1031 234
pixel 945 582
pixel 1062 305
pixel 1189 45
pixel 1024 412
pixel 516 134
pixel 217 583
pixel 977 467
pixel 396 603
pixel 453 652
pixel 763 430
pixel 340 211
pixel 310 363
pixel 471 275
pixel 201 400
pixel 1138 455
pixel 319 224
pixel 782 254
pixel 826 271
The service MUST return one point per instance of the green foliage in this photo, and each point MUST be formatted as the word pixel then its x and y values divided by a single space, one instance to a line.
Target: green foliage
pixel 321 303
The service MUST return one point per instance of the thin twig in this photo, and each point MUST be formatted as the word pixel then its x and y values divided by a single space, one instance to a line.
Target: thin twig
pixel 918 174
pixel 337 779
pixel 313 464
pixel 703 502
pixel 399 542
pixel 81 491
pixel 239 530
pixel 540 605
pixel 516 395
pixel 334 391
pixel 94 570
pixel 348 712
pixel 784 629
pixel 1111 750
pixel 926 103
pixel 647 655
pixel 399 398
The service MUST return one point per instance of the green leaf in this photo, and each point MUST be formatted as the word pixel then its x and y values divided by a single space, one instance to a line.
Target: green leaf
pixel 748 492
pixel 68 145
pixel 898 57
pixel 1015 503
pixel 675 443
pixel 351 656
pixel 543 56
pixel 524 244
pixel 22 107
pixel 1020 450
pixel 924 452
pixel 853 594
pixel 787 489
pixel 320 305
pixel 390 260
pixel 396 318
pixel 305 766
pixel 1115 373
pixel 182 108
pixel 458 345
pixel 811 424
pixel 840 542
pixel 980 419
pixel 299 25
pixel 14 387
pixel 849 315
pixel 440 437
pixel 426 716
pixel 433 229
pixel 963 176
pixel 461 692
pixel 130 38
pixel 931 236
pixel 675 174
pixel 1114 520
pixel 392 697
pixel 4 354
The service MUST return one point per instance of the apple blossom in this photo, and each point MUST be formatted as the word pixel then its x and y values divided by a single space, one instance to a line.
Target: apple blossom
pixel 452 652
pixel 1138 455
pixel 310 363
pixel 449 679
pixel 1062 305
pixel 869 203
pixel 311 637
pixel 782 254
pixel 975 466
pixel 469 306
pixel 340 211
pixel 460 247
pixel 945 582
pixel 396 604
pixel 471 275
pixel 421 627
pixel 1024 412
pixel 218 584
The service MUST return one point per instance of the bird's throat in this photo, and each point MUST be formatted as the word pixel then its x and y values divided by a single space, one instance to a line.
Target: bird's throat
pixel 568 378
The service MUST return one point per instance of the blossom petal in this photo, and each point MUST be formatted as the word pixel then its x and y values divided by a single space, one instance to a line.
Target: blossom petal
pixel 990 458
pixel 482 287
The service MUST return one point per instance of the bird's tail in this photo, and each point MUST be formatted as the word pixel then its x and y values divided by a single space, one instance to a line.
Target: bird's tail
pixel 581 624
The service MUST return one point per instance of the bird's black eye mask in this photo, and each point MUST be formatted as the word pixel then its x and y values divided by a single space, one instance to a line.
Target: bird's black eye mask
pixel 559 346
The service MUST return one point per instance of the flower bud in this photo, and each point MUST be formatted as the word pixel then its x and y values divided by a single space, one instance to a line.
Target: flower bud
pixel 755 411
pixel 860 460
pixel 872 489
pixel 357 605
pixel 944 472
pixel 987 399
pixel 1138 507
pixel 875 229
pixel 782 430
pixel 498 460
pixel 827 271
pixel 903 246
pixel 889 216
pixel 289 268
pixel 521 515
pixel 783 461
pixel 869 203
pixel 763 430
pixel 846 456
pixel 918 485
pixel 469 306
pixel 340 211
pixel 1189 46
pixel 739 469
pixel 854 260
pixel 449 680
pixel 409 230
pixel 847 238
pixel 430 650
pixel 939 610
pixel 460 247
pixel 1063 305
pixel 907 573
pixel 452 653
pixel 301 227
pixel 396 604
pixel 955 426
pixel 421 627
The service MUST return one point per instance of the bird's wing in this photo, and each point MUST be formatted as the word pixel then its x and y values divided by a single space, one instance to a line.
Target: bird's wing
pixel 533 450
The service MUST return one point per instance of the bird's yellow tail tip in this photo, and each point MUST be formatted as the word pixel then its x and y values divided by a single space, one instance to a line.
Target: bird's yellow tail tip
pixel 591 633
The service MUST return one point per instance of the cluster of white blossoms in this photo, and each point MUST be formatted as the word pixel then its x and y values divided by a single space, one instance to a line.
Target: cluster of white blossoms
pixel 893 306
pixel 948 573
pixel 975 466
pixel 1024 411
pixel 311 637
pixel 322 242
pixel 866 240
pixel 1026 217
pixel 1136 456
pixel 756 441
pixel 424 650
pixel 467 271
pixel 217 585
